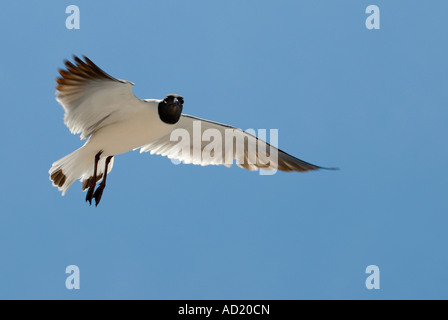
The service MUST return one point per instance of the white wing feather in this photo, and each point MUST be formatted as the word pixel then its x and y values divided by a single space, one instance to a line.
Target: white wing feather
pixel 251 158
pixel 91 98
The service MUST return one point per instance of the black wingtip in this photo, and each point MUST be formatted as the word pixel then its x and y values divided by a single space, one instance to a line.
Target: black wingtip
pixel 330 168
pixel 86 59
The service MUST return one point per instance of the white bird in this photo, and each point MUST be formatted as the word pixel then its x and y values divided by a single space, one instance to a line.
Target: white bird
pixel 105 111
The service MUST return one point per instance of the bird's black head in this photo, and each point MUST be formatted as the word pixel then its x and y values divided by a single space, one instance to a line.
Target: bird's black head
pixel 170 108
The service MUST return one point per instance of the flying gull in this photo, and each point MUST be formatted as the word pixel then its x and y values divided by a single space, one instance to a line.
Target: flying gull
pixel 104 110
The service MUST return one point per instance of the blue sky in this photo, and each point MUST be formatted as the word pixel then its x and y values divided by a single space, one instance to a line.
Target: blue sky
pixel 372 102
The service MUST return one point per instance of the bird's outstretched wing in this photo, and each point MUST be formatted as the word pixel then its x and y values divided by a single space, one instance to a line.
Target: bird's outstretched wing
pixel 90 97
pixel 249 152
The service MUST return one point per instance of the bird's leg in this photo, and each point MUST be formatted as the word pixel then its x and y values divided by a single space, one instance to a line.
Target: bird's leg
pixel 99 191
pixel 89 194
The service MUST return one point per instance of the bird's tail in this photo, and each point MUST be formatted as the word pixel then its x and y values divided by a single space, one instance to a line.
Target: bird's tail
pixel 65 171
pixel 77 165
